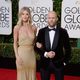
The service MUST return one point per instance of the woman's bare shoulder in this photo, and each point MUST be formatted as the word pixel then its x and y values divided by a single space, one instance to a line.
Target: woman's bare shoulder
pixel 16 28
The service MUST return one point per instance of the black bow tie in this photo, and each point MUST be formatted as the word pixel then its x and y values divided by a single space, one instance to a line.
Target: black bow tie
pixel 51 29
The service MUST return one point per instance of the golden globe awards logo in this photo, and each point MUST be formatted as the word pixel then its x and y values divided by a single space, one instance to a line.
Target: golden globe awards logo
pixel 4 17
pixel 39 16
pixel 70 17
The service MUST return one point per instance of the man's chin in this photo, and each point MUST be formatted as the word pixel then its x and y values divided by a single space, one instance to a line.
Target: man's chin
pixel 52 25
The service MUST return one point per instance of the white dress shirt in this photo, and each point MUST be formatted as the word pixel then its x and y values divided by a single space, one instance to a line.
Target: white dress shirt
pixel 51 36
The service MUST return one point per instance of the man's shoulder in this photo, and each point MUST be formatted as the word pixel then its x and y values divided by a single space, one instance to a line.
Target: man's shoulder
pixel 42 29
pixel 62 29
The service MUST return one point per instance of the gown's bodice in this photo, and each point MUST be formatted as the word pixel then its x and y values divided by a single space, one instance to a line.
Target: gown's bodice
pixel 25 39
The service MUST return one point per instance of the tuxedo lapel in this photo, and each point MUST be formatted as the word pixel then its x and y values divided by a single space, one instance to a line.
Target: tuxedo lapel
pixel 56 38
pixel 47 39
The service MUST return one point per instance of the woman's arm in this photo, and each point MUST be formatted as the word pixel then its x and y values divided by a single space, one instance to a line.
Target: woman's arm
pixel 15 37
pixel 15 44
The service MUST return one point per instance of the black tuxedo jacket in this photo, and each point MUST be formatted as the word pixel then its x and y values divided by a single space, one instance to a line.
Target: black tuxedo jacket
pixel 61 46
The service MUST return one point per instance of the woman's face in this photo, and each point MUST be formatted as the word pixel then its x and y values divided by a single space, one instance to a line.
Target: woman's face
pixel 25 16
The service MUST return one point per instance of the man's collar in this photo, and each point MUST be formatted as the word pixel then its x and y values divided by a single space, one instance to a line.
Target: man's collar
pixel 52 27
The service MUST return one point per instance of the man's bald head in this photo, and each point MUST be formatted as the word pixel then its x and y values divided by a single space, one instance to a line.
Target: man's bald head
pixel 52 18
pixel 52 13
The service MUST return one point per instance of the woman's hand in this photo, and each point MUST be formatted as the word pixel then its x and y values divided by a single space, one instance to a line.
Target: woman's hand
pixel 19 60
pixel 39 45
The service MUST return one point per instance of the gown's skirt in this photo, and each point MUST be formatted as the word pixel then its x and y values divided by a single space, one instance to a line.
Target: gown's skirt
pixel 26 71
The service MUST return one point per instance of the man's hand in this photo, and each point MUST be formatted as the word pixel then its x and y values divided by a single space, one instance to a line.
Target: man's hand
pixel 51 54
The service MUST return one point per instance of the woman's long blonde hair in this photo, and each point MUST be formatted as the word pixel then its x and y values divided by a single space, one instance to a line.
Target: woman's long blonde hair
pixel 20 23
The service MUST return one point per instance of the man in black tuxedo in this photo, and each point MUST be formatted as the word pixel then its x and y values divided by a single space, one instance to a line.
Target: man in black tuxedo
pixel 54 48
